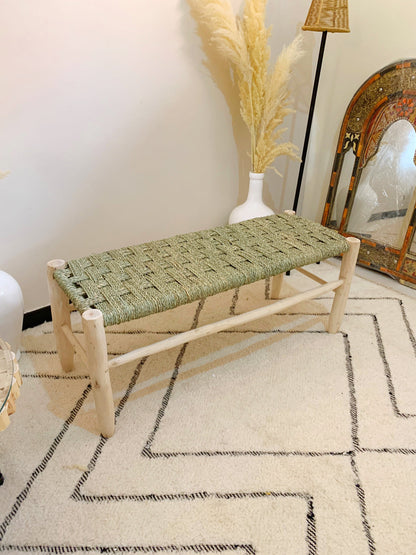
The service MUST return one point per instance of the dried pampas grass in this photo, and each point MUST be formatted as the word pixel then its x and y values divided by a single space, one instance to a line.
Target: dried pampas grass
pixel 264 93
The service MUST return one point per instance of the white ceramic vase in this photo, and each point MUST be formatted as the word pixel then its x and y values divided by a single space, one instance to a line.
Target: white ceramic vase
pixel 254 206
pixel 11 312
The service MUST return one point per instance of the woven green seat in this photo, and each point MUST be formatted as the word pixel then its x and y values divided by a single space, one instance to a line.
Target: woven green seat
pixel 133 282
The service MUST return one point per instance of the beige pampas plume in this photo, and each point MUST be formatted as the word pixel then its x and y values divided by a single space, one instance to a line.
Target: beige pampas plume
pixel 226 32
pixel 264 93
pixel 252 93
pixel 276 108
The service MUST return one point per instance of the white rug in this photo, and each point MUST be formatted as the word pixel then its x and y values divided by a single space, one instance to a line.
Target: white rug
pixel 273 438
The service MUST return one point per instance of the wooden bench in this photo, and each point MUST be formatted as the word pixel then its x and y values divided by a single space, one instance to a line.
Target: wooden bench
pixel 128 283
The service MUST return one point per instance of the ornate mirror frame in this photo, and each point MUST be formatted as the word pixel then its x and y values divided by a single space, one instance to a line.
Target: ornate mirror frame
pixel 386 97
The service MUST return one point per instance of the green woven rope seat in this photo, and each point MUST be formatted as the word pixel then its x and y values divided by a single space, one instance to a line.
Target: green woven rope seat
pixel 133 282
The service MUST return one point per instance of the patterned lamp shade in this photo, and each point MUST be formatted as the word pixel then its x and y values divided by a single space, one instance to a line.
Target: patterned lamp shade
pixel 328 15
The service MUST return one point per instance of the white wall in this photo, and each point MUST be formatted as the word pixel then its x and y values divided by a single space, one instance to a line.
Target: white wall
pixel 113 129
pixel 116 132
pixel 119 124
pixel 381 33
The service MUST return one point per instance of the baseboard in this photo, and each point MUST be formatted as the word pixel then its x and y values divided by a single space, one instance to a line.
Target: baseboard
pixel 36 317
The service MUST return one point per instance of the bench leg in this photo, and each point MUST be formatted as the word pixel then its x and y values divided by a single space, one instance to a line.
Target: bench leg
pixel 61 316
pixel 96 350
pixel 277 282
pixel 346 273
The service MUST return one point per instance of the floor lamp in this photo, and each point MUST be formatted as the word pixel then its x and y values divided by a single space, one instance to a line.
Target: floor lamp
pixel 323 16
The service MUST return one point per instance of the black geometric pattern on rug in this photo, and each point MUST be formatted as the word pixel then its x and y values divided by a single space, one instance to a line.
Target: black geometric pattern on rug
pixel 197 548
pixel 147 452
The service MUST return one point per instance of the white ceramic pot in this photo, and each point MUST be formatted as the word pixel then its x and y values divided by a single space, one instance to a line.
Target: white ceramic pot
pixel 254 206
pixel 11 312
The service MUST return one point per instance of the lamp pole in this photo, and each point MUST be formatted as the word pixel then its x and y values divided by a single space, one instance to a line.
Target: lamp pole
pixel 323 16
pixel 310 118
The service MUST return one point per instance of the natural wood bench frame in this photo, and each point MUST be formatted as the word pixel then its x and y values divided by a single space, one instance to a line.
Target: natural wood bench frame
pixel 94 354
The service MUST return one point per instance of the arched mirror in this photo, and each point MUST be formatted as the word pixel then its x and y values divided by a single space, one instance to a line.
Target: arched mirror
pixel 372 194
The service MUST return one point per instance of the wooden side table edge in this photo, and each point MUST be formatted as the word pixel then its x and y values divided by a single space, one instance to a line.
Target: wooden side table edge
pixel 10 405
